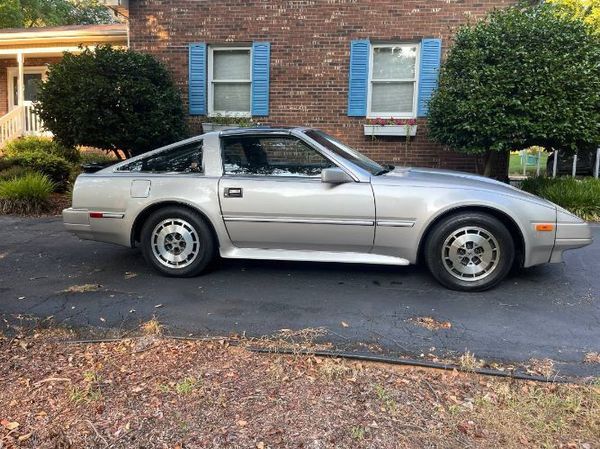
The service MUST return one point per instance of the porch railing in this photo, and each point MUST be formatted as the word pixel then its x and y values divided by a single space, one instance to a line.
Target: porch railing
pixel 21 121
pixel 11 125
pixel 33 123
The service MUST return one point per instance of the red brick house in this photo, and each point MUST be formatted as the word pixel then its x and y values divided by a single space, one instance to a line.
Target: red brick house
pixel 25 54
pixel 332 64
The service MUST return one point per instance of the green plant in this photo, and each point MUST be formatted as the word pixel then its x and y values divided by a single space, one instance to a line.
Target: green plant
pixel 111 99
pixel 32 144
pixel 26 195
pixel 55 167
pixel 508 84
pixel 88 157
pixel 358 432
pixel 13 172
pixel 40 13
pixel 578 196
pixel 186 386
pixel 219 119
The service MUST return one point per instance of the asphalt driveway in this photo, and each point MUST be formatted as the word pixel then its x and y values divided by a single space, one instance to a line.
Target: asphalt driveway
pixel 551 311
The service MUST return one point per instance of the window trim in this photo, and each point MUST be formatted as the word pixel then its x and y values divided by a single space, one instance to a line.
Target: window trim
pixel 276 177
pixel 413 113
pixel 120 167
pixel 12 72
pixel 210 66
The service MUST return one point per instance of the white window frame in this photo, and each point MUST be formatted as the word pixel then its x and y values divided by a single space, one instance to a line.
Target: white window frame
pixel 12 72
pixel 211 95
pixel 415 80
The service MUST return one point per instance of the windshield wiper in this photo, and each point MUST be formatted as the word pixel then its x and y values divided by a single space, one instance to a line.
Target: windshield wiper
pixel 382 172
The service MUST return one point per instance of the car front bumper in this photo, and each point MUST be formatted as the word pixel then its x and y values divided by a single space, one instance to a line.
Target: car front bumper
pixel 570 235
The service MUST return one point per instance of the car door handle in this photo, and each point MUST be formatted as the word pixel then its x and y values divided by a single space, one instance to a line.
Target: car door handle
pixel 234 192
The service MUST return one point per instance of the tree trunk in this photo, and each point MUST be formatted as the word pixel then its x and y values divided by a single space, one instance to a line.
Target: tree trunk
pixel 491 160
pixel 117 154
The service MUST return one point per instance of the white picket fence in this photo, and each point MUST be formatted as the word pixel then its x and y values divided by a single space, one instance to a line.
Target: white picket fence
pixel 21 121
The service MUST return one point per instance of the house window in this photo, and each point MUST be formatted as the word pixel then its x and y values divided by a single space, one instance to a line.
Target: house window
pixel 393 81
pixel 230 81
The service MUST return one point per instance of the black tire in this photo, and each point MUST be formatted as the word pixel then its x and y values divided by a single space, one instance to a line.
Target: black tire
pixel 195 235
pixel 488 235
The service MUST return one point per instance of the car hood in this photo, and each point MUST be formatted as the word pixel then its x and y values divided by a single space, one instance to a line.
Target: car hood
pixel 448 179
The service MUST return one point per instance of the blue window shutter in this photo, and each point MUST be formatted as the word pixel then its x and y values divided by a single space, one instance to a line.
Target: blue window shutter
pixel 431 55
pixel 359 77
pixel 261 56
pixel 197 78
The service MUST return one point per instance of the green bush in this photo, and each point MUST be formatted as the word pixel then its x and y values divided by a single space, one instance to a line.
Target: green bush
pixel 55 167
pixel 579 196
pixel 46 145
pixel 110 98
pixel 87 157
pixel 13 172
pixel 26 195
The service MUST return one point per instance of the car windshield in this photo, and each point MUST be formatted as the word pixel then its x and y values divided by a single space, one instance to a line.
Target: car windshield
pixel 346 152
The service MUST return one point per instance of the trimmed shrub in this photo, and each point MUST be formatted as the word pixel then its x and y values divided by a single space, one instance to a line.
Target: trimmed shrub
pixel 88 157
pixel 46 145
pixel 26 195
pixel 579 196
pixel 55 167
pixel 13 172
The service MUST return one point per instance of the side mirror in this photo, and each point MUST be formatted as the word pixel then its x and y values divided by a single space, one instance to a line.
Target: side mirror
pixel 335 176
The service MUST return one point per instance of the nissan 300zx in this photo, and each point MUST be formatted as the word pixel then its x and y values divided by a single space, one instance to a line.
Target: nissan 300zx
pixel 299 194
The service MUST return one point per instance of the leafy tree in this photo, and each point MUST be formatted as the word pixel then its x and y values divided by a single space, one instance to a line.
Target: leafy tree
pixel 11 15
pixel 40 13
pixel 523 77
pixel 111 99
pixel 586 10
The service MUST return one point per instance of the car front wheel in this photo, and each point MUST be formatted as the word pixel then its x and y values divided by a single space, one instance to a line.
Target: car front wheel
pixel 177 242
pixel 470 251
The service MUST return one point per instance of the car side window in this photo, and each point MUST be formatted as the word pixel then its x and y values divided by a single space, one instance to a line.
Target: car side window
pixel 182 159
pixel 271 156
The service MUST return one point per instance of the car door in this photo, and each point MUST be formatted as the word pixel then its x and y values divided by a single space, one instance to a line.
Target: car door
pixel 272 197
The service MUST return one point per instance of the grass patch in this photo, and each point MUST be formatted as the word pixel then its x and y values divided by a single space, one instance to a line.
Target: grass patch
pixel 29 194
pixel 152 327
pixel 516 168
pixel 186 386
pixel 539 415
pixel 579 196
pixel 358 433
pixel 468 362
pixel 13 172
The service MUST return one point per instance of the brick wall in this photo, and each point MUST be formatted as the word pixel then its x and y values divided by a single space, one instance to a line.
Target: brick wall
pixel 310 47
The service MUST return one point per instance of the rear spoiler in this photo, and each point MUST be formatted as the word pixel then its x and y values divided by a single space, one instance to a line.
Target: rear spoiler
pixel 93 167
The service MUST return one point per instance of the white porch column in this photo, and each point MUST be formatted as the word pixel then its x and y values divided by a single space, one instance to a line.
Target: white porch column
pixel 21 89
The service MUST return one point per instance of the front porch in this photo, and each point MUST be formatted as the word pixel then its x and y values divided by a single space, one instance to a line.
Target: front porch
pixel 24 59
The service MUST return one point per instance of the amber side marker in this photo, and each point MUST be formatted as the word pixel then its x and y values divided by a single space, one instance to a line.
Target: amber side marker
pixel 544 227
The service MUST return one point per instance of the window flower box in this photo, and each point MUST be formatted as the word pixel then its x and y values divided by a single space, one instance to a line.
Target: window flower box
pixel 218 122
pixel 208 127
pixel 390 127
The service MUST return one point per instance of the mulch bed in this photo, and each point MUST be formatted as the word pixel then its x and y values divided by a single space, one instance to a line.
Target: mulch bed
pixel 153 392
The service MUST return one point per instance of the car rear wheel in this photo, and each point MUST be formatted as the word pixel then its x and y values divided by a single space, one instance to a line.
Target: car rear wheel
pixel 470 251
pixel 177 242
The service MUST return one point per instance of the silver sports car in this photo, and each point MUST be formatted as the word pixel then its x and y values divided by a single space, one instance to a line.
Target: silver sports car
pixel 300 194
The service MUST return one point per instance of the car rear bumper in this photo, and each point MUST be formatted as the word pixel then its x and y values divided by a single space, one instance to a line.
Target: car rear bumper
pixel 570 236
pixel 77 221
